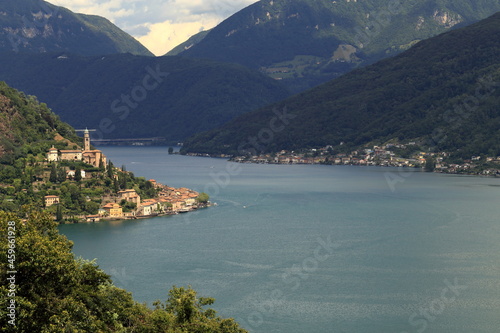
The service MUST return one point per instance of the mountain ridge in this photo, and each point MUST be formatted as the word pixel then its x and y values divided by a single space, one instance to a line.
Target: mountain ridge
pixel 169 97
pixel 303 43
pixel 37 26
pixel 414 95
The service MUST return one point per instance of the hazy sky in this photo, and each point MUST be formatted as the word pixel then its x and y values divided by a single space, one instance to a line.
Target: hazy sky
pixel 159 25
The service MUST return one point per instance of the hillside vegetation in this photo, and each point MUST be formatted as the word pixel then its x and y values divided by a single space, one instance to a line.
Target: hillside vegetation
pixel 443 92
pixel 52 291
pixel 47 289
pixel 27 130
pixel 36 26
pixel 126 96
pixel 308 42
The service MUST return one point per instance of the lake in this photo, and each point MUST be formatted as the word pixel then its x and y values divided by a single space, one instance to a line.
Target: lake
pixel 311 248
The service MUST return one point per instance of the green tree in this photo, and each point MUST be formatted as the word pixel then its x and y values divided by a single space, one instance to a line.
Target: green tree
pixel 53 174
pixel 78 174
pixel 430 164
pixel 110 170
pixel 61 175
pixel 59 213
pixel 203 198
pixel 59 293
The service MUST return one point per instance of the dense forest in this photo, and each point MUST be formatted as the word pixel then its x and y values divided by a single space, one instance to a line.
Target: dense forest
pixel 442 92
pixel 126 96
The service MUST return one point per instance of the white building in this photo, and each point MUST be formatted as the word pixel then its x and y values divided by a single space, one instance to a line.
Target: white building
pixel 53 155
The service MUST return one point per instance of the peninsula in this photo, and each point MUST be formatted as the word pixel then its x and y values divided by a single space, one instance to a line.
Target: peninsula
pixel 44 165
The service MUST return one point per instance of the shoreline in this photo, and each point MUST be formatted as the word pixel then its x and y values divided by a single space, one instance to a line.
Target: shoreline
pixel 135 218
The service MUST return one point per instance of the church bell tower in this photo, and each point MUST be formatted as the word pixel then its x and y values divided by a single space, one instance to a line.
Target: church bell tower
pixel 86 140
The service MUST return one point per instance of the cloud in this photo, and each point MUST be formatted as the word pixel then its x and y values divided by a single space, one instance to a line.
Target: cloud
pixel 162 37
pixel 160 25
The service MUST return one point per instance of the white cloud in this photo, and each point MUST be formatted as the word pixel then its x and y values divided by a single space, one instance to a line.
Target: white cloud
pixel 160 25
pixel 162 37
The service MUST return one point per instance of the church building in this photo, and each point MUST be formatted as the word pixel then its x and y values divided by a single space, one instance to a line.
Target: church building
pixel 93 157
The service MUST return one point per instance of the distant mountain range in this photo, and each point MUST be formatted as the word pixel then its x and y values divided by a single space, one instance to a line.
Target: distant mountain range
pixel 443 92
pixel 308 42
pixel 126 96
pixel 37 26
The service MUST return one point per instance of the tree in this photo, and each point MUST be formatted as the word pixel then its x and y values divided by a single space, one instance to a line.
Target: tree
pixel 61 175
pixel 102 166
pixel 170 150
pixel 185 305
pixel 59 293
pixel 203 198
pixel 59 214
pixel 78 174
pixel 430 164
pixel 122 180
pixel 110 170
pixel 53 174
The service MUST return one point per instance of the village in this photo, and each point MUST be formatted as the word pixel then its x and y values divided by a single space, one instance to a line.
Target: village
pixel 127 204
pixel 388 155
pixel 122 202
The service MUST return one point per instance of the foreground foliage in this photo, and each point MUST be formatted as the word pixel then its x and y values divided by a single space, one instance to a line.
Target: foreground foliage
pixel 57 293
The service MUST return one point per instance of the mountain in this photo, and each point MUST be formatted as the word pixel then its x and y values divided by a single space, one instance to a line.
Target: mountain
pixel 444 92
pixel 308 42
pixel 26 126
pixel 127 96
pixel 37 26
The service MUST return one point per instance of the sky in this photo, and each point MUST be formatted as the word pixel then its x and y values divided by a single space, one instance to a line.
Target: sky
pixel 160 25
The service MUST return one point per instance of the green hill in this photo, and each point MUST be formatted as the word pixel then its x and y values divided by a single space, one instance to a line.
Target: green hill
pixel 37 26
pixel 26 126
pixel 169 97
pixel 443 92
pixel 308 42
pixel 48 289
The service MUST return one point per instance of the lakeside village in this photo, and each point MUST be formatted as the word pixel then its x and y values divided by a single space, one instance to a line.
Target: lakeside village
pixel 390 155
pixel 80 185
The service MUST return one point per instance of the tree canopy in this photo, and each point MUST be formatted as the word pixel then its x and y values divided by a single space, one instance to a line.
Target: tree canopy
pixel 55 292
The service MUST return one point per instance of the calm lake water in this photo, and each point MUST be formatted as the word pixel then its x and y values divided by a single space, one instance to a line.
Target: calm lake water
pixel 313 248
